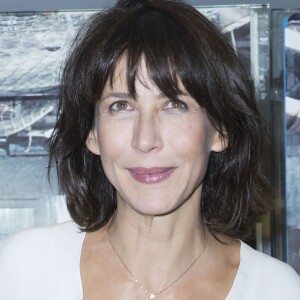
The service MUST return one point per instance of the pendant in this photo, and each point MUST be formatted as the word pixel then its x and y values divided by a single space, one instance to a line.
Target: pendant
pixel 151 296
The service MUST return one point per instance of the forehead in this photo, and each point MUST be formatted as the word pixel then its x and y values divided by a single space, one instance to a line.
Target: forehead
pixel 123 78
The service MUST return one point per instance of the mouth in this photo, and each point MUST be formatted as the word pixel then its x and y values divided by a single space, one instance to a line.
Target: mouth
pixel 151 175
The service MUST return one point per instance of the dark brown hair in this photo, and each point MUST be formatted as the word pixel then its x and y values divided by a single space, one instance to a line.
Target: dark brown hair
pixel 177 41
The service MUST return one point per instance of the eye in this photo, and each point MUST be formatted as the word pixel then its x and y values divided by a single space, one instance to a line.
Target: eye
pixel 120 106
pixel 176 104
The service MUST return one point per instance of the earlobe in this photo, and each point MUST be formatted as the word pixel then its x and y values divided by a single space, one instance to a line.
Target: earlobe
pixel 92 143
pixel 219 143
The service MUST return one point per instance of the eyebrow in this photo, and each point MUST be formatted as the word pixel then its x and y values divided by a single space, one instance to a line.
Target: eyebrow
pixel 117 95
pixel 128 95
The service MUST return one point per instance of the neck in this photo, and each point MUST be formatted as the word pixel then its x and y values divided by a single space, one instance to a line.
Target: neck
pixel 178 238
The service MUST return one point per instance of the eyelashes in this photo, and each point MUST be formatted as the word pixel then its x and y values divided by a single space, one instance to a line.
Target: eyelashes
pixel 124 105
pixel 121 105
pixel 177 104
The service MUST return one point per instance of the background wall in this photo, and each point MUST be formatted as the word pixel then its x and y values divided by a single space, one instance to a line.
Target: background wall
pixel 29 5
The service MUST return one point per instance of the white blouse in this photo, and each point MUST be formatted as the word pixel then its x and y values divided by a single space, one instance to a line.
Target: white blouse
pixel 44 264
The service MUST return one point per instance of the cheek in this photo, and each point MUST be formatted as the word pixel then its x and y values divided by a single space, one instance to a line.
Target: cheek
pixel 112 139
pixel 111 150
pixel 197 151
pixel 193 138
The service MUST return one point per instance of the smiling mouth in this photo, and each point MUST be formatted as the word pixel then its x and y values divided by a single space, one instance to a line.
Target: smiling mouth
pixel 151 175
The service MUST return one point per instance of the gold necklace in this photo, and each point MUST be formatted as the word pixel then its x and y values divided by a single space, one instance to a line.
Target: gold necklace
pixel 152 295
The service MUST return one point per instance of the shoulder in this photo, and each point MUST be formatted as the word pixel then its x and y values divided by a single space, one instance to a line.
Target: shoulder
pixel 272 278
pixel 39 255
pixel 39 241
pixel 40 238
pixel 266 263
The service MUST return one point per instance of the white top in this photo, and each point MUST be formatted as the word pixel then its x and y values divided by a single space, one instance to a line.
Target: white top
pixel 44 264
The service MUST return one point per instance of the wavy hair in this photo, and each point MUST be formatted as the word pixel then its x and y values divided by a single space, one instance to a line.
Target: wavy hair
pixel 177 43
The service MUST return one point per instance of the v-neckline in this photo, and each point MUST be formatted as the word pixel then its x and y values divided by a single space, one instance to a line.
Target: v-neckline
pixel 228 297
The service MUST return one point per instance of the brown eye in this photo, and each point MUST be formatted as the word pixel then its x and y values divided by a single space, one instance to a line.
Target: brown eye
pixel 120 106
pixel 177 104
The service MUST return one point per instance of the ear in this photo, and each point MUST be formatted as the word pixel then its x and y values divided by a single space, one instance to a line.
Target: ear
pixel 219 142
pixel 92 142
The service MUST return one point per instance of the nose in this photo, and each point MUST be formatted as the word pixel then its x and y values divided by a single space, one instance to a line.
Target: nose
pixel 147 134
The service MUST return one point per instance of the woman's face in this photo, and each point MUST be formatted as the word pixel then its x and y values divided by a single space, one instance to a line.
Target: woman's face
pixel 154 150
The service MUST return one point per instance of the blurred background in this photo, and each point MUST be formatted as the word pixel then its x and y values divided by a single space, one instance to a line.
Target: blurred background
pixel 34 40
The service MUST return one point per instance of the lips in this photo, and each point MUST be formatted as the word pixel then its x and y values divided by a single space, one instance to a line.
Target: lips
pixel 151 175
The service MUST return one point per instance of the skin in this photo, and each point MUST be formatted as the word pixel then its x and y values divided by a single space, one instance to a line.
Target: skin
pixel 157 229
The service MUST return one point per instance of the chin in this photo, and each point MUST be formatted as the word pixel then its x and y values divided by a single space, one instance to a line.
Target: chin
pixel 155 208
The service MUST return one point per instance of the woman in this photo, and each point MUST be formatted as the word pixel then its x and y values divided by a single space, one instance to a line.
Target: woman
pixel 157 148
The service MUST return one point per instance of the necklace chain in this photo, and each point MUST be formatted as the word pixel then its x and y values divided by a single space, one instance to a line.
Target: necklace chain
pixel 152 295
